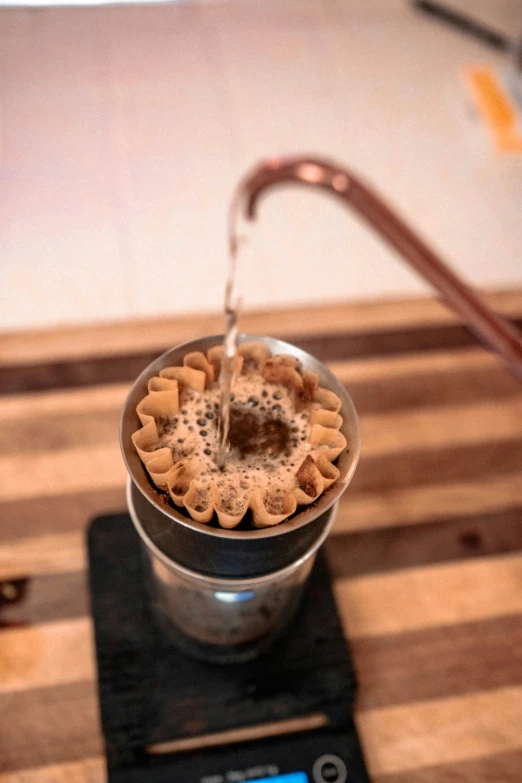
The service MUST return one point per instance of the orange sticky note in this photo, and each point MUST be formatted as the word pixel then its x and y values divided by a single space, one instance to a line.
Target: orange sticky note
pixel 496 108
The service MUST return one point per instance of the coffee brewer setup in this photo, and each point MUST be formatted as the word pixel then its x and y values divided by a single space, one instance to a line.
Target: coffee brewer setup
pixel 220 654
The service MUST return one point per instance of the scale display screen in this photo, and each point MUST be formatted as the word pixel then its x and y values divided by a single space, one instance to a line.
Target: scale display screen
pixel 291 777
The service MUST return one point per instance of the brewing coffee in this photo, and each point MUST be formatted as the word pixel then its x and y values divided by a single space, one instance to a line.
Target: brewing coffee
pixel 283 437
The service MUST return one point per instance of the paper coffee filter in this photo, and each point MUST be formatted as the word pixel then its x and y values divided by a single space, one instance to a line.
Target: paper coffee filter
pixel 204 498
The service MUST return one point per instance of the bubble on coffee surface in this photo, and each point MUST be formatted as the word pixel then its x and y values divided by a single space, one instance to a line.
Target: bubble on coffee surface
pixel 260 441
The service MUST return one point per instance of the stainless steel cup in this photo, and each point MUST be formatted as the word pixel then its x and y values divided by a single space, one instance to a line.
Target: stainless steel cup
pixel 224 595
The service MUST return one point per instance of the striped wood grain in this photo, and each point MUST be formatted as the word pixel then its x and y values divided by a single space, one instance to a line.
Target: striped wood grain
pixel 426 552
pixel 61 343
pixel 87 770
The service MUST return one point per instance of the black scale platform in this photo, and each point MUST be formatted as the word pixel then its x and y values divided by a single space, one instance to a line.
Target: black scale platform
pixel 150 693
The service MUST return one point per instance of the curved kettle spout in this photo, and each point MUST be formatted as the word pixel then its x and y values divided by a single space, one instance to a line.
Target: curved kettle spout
pixel 493 330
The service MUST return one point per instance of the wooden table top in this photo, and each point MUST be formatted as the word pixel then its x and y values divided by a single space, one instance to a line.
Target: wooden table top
pixel 426 550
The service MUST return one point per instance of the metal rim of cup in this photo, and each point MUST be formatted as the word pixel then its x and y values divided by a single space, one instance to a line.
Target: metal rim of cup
pixel 221 583
pixel 346 462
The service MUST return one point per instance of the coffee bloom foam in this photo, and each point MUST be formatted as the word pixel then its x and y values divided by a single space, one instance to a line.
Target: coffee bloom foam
pixel 283 439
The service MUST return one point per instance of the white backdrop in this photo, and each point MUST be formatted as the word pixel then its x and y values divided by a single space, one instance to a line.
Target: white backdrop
pixel 124 130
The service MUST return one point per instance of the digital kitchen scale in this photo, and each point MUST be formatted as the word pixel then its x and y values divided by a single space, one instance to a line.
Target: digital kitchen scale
pixel 282 718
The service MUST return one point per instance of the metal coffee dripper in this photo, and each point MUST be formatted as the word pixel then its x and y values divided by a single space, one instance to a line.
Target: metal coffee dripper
pixel 225 595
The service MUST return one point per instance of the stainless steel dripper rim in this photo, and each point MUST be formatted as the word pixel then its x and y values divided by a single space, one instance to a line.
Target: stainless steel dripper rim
pixel 346 462
pixel 215 551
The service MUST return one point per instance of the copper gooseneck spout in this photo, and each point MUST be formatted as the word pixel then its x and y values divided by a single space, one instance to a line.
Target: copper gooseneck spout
pixel 493 330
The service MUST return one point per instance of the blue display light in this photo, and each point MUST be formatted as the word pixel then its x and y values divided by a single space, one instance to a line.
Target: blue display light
pixel 291 777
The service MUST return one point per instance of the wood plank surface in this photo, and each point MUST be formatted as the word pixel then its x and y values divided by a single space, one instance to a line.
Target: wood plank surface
pixel 433 595
pixel 499 767
pixel 426 552
pixel 87 770
pixel 44 554
pixel 49 725
pixel 45 345
pixel 40 599
pixel 45 655
pixel 404 737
